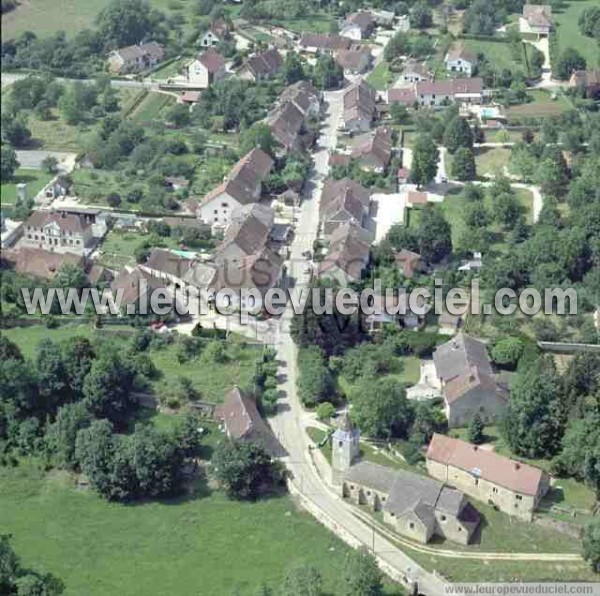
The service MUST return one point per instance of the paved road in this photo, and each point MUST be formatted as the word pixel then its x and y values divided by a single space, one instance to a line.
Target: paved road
pixel 34 159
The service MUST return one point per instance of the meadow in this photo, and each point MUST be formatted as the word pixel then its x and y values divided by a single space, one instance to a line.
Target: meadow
pixel 568 34
pixel 35 180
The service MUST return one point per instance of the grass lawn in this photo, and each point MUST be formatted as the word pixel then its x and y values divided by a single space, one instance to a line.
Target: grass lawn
pixel 204 544
pixel 169 70
pixel 541 105
pixel 35 180
pixel 413 217
pixel 57 135
pixel 498 53
pixel 381 77
pixel 491 160
pixel 152 106
pixel 568 31
pixel 314 23
pixel 28 338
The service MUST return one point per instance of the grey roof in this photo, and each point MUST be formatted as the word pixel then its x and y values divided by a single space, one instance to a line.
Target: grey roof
pixel 380 478
pixel 459 356
pixel 450 500
pixel 409 489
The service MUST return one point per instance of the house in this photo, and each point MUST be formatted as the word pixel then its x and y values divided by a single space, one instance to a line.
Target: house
pixel 189 97
pixel 176 183
pixel 469 384
pixel 217 33
pixel 374 151
pixel 246 235
pixel 167 266
pixel 344 201
pixel 414 71
pixel 416 198
pixel 242 421
pixel 320 42
pixel 461 61
pixel 136 288
pixel 286 122
pixel 403 23
pixel 354 60
pixel 511 486
pixel 537 18
pixel 58 232
pixel 439 93
pixel 407 96
pixel 359 25
pixel 384 18
pixel 59 187
pixel 304 96
pixel 393 308
pixel 98 275
pixel 348 255
pixel 40 263
pixel 359 107
pixel 261 66
pixel 588 80
pixel 414 506
pixel 409 263
pixel 206 68
pixel 135 58
pixel 448 324
pixel 242 186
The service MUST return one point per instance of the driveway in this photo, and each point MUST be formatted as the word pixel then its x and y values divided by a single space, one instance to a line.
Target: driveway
pixel 34 159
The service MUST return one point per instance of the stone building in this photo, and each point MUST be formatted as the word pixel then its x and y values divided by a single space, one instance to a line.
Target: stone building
pixel 511 486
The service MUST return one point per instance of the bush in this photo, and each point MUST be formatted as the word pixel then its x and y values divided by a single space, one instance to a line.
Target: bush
pixel 325 411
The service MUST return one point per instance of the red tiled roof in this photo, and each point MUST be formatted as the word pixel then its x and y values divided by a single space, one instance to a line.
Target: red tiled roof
pixel 416 197
pixel 490 466
pixel 212 60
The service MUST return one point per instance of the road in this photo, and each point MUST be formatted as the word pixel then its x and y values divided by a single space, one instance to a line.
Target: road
pixel 287 422
pixel 33 159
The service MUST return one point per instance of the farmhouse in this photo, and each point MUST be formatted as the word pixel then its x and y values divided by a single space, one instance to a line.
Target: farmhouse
pixel 261 66
pixel 318 42
pixel 304 96
pixel 348 255
pixel 414 71
pixel 588 80
pixel 242 186
pixel 344 201
pixel 354 60
pixel 358 25
pixel 38 262
pixel 242 421
pixel 286 122
pixel 469 385
pixel 511 486
pixel 217 33
pixel 537 18
pixel 460 61
pixel 374 150
pixel 438 93
pixel 135 58
pixel 406 96
pixel 58 232
pixel 206 69
pixel 359 107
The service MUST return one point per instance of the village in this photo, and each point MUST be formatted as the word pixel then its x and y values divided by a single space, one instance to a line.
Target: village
pixel 387 147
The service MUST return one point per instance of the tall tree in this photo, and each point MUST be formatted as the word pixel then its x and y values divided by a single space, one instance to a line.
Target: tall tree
pixel 591 544
pixel 425 160
pixel 534 421
pixel 129 22
pixel 463 164
pixel 435 235
pixel 457 134
pixel 362 577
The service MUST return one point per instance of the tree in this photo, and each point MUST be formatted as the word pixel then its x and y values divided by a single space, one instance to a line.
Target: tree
pixel 258 135
pixel 399 113
pixel 327 74
pixel 107 388
pixel 77 355
pixel 589 22
pixel 580 383
pixel 429 419
pixel 51 376
pixel 457 134
pixel 362 576
pixel 15 131
pixel 507 209
pixel 129 22
pixel 534 421
pixel 425 160
pixel 72 104
pixel 302 580
pixel 293 70
pixel 591 544
pixel 399 45
pixel 435 235
pixel 16 580
pixel 61 435
pixel 179 115
pixel 476 428
pixel 8 163
pixel 245 469
pixel 480 20
pixel 553 174
pixel 113 200
pixel 421 16
pixel 463 164
pixel 325 410
pixel 507 351
pixel 50 164
pixel 314 380
pixel 380 408
pixel 568 61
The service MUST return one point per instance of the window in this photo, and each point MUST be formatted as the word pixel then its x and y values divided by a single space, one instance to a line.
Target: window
pixel 494 490
pixel 519 497
pixel 411 526
pixel 224 205
pixel 442 518
pixel 368 493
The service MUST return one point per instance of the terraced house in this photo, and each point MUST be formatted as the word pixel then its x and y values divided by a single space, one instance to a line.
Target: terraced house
pixel 57 232
pixel 511 486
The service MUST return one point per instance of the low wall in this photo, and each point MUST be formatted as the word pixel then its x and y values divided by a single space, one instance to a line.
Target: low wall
pixel 567 348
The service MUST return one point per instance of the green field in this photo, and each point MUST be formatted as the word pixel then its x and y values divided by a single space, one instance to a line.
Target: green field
pixel 35 180
pixel 381 76
pixel 313 23
pixel 542 105
pixel 201 544
pixel 498 53
pixel 152 106
pixel 491 160
pixel 210 379
pixel 568 31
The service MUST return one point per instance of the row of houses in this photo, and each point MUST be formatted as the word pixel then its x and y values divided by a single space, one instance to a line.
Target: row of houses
pixel 429 93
